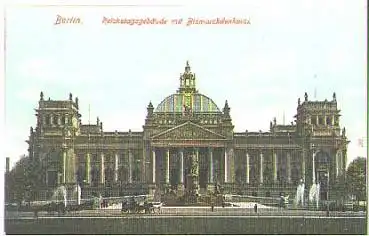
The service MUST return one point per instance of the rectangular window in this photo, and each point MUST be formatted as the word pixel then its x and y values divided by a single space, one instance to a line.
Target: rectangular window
pixel 205 104
pixel 197 103
pixel 321 121
pixel 52 178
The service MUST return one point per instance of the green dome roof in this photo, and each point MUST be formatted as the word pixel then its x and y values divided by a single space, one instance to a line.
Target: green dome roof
pixel 187 97
pixel 198 102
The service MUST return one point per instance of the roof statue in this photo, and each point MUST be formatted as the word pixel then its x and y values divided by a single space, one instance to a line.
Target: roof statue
pixel 334 96
pixel 187 68
pixel 150 109
pixel 306 97
pixel 70 96
pixel 41 96
pixel 299 101
pixel 226 108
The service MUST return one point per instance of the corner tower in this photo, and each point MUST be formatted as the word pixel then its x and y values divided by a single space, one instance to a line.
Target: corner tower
pixel 323 141
pixel 52 142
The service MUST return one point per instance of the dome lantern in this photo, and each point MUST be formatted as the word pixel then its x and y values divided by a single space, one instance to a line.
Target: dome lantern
pixel 187 81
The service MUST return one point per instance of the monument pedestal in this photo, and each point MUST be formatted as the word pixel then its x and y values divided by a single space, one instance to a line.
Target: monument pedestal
pixel 180 190
pixel 210 188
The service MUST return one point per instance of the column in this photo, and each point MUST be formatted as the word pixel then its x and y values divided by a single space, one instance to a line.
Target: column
pixel 337 164
pixel 325 120
pixel 51 119
pixel 197 161
pixel 59 120
pixel 275 167
pixel 64 175
pixel 313 167
pixel 261 172
pixel 196 181
pixel 181 166
pixel 130 160
pixel 88 168
pixel 167 170
pixel 116 167
pixel 47 178
pixel 247 168
pixel 288 167
pixel 211 166
pixel 102 168
pixel 317 120
pixel 225 166
pixel 303 165
pixel 153 166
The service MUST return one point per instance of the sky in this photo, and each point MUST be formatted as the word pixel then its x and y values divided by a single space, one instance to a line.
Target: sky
pixel 261 68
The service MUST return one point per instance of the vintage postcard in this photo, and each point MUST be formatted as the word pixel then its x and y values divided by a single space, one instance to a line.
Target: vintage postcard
pixel 174 117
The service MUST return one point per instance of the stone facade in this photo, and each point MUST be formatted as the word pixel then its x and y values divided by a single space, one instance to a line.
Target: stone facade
pixel 187 127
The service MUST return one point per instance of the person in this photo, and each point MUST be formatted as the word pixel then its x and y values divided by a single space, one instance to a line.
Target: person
pixel 124 205
pixel 101 201
pixel 212 206
pixel 256 208
pixel 281 201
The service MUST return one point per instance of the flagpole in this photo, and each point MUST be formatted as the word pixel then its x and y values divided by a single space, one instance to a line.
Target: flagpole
pixel 315 92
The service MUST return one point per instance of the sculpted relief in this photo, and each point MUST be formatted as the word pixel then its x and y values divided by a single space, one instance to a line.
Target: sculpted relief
pixel 187 132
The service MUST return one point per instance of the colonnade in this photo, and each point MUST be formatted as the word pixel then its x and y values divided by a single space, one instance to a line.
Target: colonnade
pixel 226 168
pixel 260 164
pixel 102 168
pixel 223 171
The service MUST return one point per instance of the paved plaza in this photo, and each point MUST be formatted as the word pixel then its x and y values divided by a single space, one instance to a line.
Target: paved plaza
pixel 262 211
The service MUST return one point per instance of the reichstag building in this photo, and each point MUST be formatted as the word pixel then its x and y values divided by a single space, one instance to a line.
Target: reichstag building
pixel 184 128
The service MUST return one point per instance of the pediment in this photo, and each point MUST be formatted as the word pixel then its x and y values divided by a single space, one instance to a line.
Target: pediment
pixel 188 131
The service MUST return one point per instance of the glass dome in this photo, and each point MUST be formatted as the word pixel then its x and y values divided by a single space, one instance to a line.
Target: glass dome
pixel 198 102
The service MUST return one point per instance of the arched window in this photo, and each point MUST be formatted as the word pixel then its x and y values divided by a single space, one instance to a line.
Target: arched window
pixel 95 176
pixel 47 119
pixel 328 120
pixel 109 176
pixel 55 120
pixel 80 174
pixel 123 174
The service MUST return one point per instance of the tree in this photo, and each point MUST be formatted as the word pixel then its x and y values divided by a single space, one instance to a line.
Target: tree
pixel 356 178
pixel 16 179
pixel 24 179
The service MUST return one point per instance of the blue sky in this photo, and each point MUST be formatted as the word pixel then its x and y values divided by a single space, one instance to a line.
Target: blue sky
pixel 290 47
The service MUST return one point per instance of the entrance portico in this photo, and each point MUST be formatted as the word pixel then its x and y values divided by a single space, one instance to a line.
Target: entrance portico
pixel 172 165
pixel 173 153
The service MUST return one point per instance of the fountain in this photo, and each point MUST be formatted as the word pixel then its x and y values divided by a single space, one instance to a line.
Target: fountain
pixel 60 191
pixel 314 194
pixel 300 194
pixel 76 194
